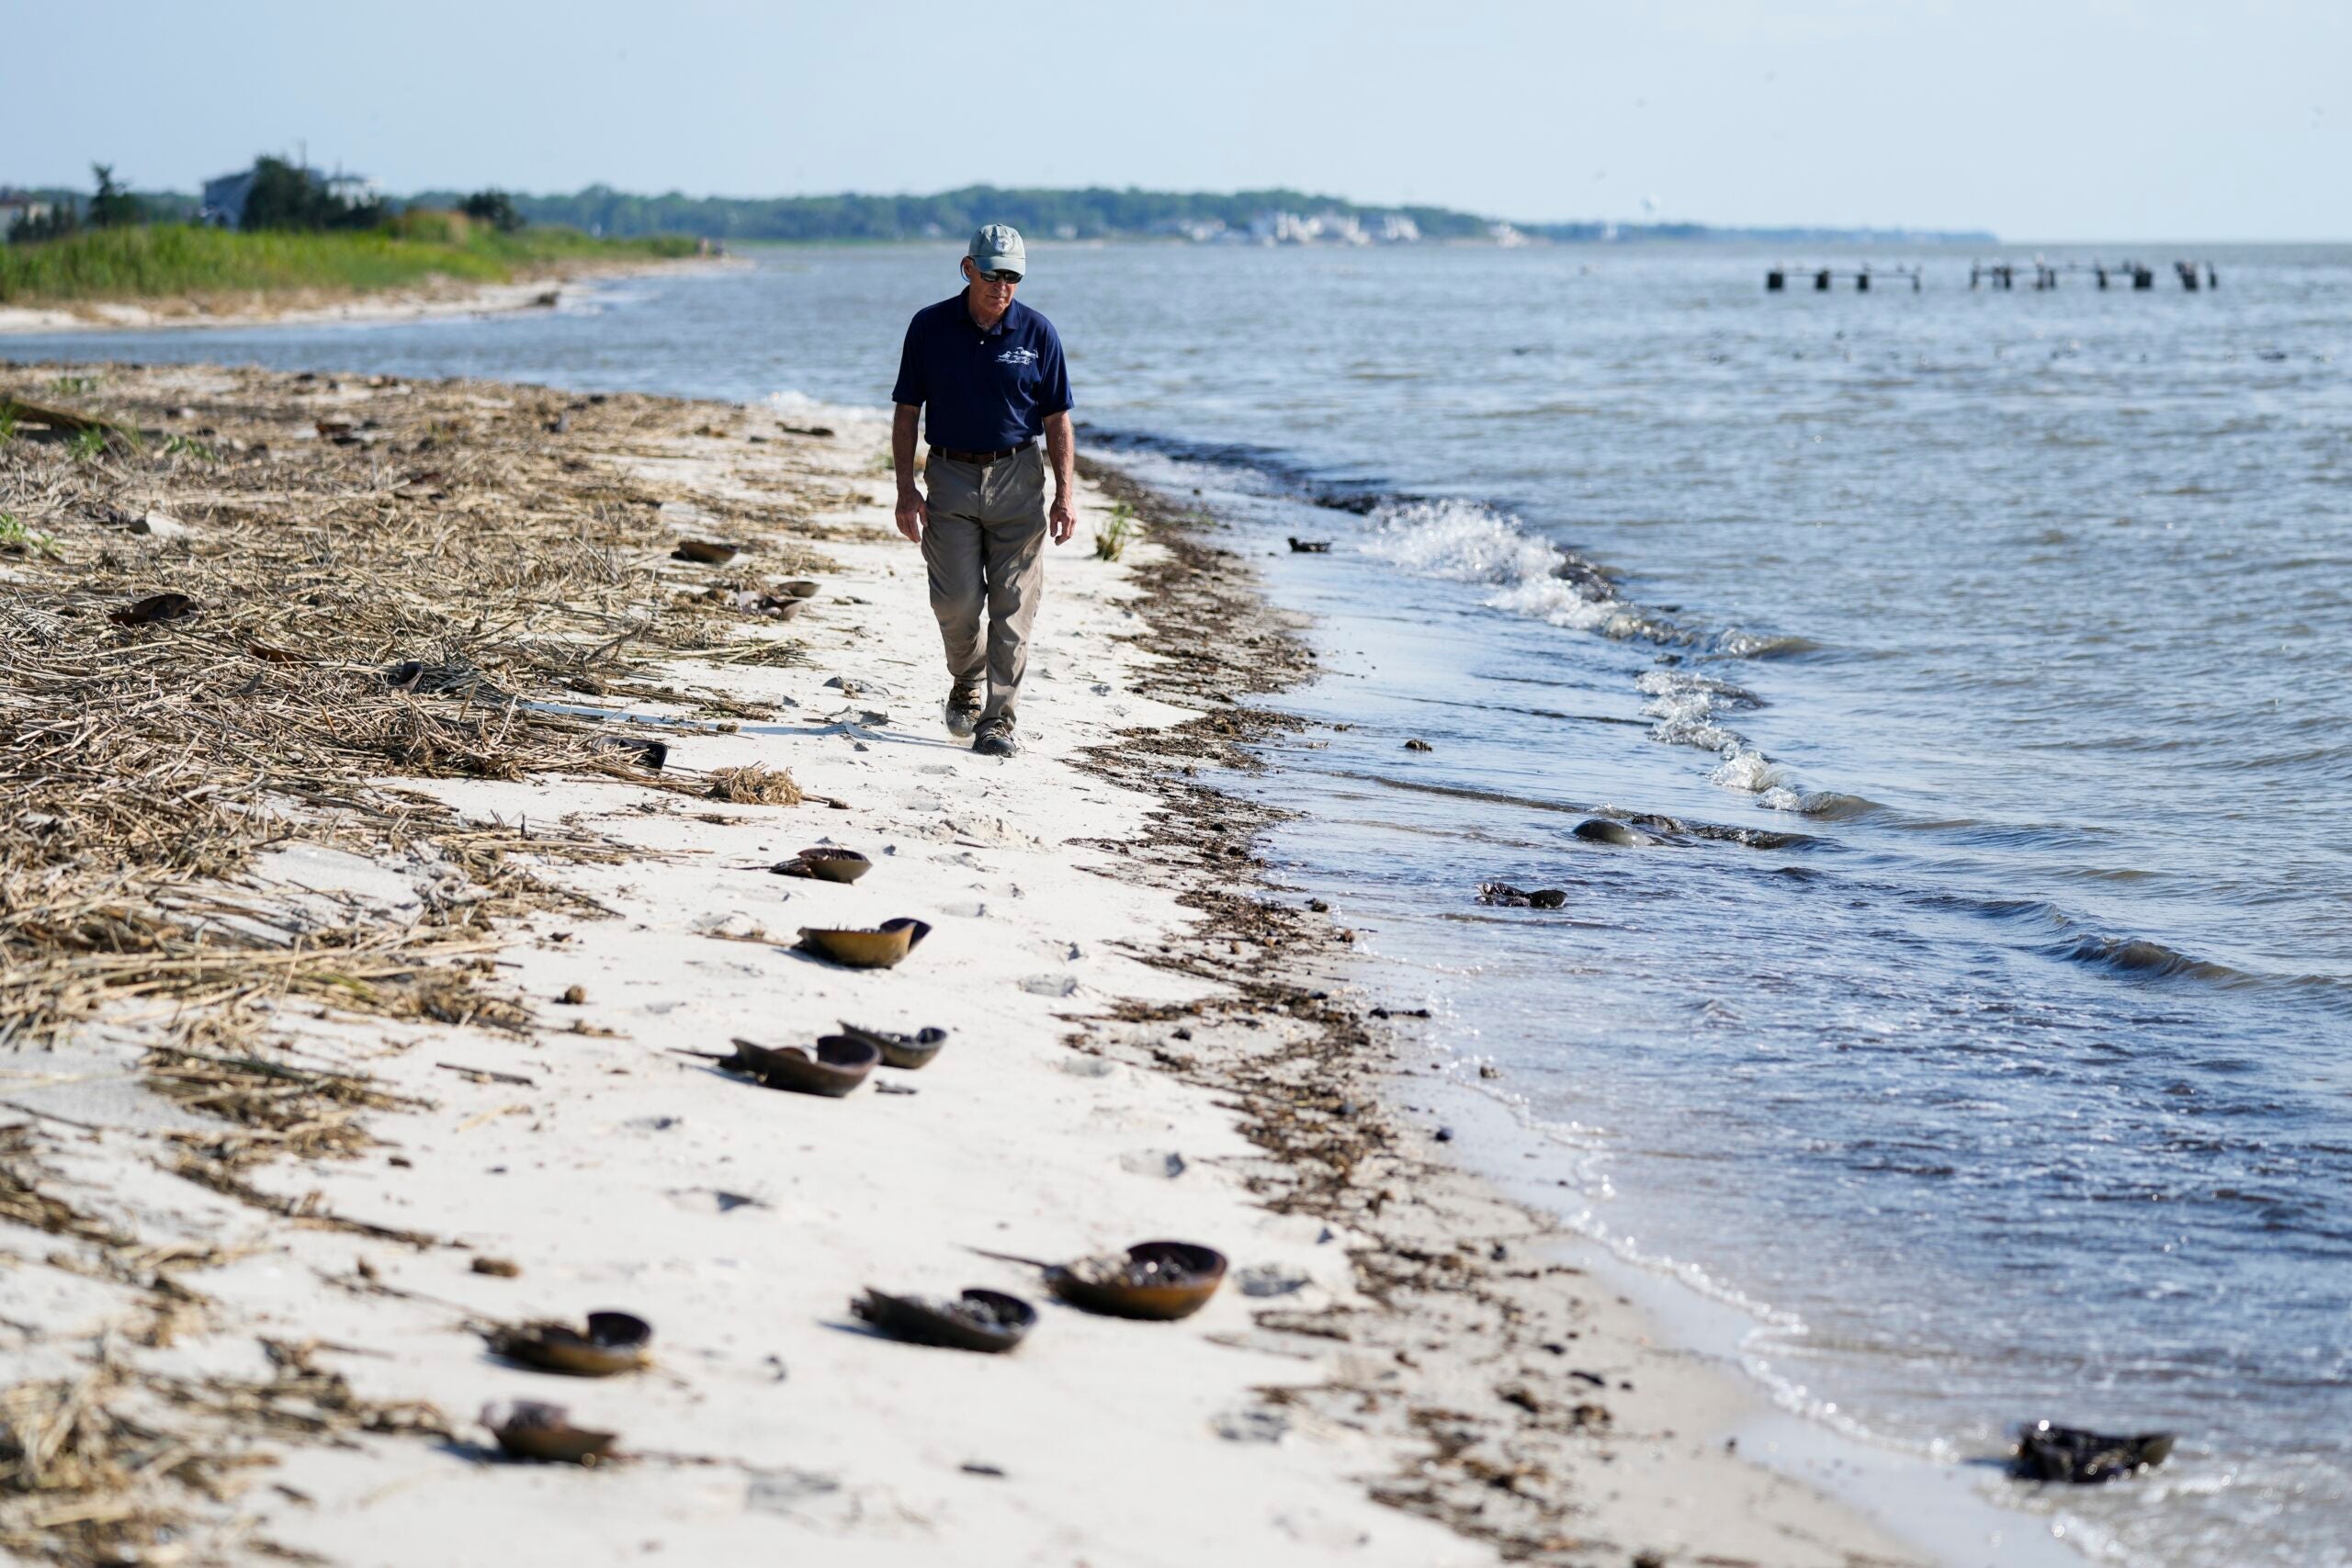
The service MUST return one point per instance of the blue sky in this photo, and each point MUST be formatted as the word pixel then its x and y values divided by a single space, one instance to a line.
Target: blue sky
pixel 2057 119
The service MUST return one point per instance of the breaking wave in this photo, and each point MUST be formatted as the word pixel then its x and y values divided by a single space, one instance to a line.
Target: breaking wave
pixel 1466 541
pixel 1463 541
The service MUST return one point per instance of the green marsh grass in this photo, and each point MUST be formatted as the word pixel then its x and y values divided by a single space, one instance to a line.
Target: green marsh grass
pixel 168 260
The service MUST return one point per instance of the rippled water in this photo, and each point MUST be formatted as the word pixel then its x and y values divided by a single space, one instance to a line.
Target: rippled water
pixel 2015 1084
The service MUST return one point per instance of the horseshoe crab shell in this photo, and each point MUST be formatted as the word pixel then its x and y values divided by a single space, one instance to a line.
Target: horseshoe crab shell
pixel 2049 1453
pixel 1161 1281
pixel 611 1342
pixel 528 1429
pixel 826 865
pixel 876 949
pixel 837 1066
pixel 988 1321
pixel 907 1051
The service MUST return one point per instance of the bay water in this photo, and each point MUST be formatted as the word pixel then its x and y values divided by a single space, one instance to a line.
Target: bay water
pixel 1977 1020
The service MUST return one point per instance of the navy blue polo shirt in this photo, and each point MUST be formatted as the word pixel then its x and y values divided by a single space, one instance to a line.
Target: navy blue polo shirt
pixel 984 390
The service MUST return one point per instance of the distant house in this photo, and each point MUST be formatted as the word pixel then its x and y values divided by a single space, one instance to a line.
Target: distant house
pixel 1331 227
pixel 351 190
pixel 19 207
pixel 1200 231
pixel 1337 229
pixel 224 199
pixel 1273 228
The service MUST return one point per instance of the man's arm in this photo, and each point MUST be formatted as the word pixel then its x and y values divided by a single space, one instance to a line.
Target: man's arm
pixel 1061 448
pixel 912 513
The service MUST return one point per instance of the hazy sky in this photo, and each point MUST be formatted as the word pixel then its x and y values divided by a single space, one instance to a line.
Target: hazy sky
pixel 2040 119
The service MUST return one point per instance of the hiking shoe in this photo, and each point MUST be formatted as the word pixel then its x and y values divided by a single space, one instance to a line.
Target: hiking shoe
pixel 996 740
pixel 962 713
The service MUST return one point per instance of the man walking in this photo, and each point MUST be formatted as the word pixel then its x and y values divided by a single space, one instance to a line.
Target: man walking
pixel 990 370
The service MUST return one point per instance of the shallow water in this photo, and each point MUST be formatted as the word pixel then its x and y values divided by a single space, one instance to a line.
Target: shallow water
pixel 2018 1088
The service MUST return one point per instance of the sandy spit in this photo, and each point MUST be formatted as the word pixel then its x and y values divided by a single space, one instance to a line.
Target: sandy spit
pixel 443 297
pixel 1146 1041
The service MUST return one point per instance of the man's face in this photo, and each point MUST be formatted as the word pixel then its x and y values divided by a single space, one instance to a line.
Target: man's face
pixel 991 296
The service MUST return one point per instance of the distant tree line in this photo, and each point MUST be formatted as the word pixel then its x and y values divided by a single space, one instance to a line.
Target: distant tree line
pixel 1090 214
pixel 284 196
pixel 110 206
pixel 278 195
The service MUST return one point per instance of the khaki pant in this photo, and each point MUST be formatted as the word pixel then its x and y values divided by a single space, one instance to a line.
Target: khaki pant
pixel 985 546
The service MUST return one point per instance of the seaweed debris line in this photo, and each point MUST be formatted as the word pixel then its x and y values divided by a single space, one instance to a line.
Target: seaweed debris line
pixel 351 1026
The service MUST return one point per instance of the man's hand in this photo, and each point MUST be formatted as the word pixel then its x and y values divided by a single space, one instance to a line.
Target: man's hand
pixel 1061 451
pixel 913 514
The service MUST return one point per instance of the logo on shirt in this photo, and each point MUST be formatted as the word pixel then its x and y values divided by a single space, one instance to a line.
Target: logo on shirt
pixel 1017 357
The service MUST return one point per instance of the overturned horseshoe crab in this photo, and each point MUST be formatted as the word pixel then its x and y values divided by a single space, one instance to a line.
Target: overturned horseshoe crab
pixel 987 1321
pixel 876 949
pixel 1608 830
pixel 838 1066
pixel 611 1342
pixel 826 865
pixel 907 1051
pixel 2048 1452
pixel 528 1429
pixel 155 607
pixel 1503 896
pixel 1159 1280
pixel 835 1067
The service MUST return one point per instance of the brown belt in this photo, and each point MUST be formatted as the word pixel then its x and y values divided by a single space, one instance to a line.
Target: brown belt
pixel 983 458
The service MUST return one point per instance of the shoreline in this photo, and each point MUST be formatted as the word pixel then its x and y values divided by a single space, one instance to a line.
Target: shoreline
pixel 317 307
pixel 1677 1342
pixel 1147 1042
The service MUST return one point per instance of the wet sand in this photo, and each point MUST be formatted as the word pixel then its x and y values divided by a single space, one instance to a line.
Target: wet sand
pixel 259 1227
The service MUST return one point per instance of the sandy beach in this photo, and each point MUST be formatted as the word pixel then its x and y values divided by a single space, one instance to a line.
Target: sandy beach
pixel 446 297
pixel 355 963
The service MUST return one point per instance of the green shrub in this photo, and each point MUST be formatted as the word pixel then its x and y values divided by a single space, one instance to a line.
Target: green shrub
pixel 432 225
pixel 1112 538
pixel 494 208
pixel 16 539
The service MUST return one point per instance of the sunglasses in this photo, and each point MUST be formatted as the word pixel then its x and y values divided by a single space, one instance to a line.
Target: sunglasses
pixel 987 276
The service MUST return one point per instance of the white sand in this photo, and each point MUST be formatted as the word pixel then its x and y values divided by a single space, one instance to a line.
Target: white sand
pixel 742 1221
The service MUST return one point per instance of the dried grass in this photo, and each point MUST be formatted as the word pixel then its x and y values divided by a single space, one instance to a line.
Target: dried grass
pixel 363 610
pixel 81 1484
pixel 383 600
pixel 754 785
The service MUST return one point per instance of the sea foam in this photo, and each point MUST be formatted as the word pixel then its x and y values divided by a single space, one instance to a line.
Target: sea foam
pixel 1467 541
